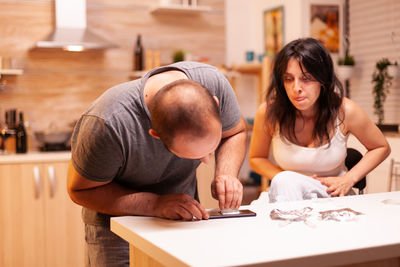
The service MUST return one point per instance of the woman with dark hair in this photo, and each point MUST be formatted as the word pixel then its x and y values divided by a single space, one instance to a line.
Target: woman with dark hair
pixel 305 123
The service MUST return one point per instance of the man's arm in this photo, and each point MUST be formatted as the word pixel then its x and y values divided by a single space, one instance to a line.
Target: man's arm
pixel 226 187
pixel 114 199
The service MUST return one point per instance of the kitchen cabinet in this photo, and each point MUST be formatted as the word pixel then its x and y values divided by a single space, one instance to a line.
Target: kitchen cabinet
pixel 40 225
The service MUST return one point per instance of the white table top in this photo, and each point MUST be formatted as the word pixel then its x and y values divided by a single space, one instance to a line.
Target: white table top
pixel 259 241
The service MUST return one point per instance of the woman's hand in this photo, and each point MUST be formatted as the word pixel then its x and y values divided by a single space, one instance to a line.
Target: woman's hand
pixel 337 186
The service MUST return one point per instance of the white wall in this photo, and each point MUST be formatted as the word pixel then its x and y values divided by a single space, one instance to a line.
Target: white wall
pixel 374 33
pixel 245 31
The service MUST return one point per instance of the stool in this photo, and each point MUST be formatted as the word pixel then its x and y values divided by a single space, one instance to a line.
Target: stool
pixel 394 175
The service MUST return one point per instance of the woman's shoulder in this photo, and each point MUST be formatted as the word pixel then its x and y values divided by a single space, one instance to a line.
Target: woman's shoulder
pixel 353 115
pixel 351 110
pixel 261 122
pixel 262 106
pixel 261 110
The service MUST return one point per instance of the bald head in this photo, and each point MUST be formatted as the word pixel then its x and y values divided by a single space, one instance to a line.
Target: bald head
pixel 184 107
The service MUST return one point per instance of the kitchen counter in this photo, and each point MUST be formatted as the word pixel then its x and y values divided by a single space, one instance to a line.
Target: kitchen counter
pixel 261 241
pixel 35 156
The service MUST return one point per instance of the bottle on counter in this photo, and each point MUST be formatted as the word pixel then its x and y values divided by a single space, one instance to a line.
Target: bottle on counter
pixel 139 54
pixel 3 129
pixel 21 136
pixel 10 131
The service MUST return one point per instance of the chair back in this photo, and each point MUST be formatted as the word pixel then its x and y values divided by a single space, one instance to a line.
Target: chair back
pixel 352 158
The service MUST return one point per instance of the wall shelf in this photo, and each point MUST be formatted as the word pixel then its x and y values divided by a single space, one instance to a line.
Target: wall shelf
pixel 11 71
pixel 4 72
pixel 179 9
pixel 249 68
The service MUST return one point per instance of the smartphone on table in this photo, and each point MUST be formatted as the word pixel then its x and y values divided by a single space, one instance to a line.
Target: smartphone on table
pixel 218 214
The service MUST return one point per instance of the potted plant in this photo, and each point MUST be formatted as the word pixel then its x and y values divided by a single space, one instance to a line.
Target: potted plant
pixel 393 69
pixel 382 81
pixel 179 55
pixel 346 66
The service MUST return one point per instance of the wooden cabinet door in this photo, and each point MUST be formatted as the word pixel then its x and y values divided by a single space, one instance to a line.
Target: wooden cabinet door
pixel 39 224
pixel 64 226
pixel 21 213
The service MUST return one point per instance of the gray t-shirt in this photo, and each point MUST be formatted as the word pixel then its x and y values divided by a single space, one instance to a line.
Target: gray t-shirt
pixel 111 140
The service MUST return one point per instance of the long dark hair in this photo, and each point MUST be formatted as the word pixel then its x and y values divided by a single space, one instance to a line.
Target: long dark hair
pixel 317 61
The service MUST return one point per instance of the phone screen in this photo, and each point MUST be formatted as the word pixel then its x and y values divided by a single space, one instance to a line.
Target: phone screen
pixel 216 214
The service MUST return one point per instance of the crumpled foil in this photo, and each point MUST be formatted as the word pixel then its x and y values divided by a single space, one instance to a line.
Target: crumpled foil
pixel 291 215
pixel 308 215
pixel 345 214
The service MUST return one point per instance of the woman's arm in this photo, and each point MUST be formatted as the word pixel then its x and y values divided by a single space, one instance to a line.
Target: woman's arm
pixel 359 124
pixel 259 146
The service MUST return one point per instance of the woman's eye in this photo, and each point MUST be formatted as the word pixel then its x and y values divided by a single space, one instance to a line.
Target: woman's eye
pixel 308 79
pixel 288 79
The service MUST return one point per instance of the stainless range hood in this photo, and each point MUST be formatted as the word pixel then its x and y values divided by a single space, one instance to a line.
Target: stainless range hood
pixel 71 33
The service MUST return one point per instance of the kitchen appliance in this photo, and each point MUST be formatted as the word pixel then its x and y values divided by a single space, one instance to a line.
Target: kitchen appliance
pixel 54 147
pixel 70 32
pixel 54 141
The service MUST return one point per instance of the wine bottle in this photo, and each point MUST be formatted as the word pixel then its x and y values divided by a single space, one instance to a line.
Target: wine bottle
pixel 10 133
pixel 138 56
pixel 21 136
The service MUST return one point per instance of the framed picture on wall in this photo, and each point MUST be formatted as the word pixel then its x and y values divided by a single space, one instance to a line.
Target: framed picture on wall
pixel 325 24
pixel 273 30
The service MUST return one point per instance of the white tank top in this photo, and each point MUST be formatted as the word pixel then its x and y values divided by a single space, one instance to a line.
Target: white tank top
pixel 323 161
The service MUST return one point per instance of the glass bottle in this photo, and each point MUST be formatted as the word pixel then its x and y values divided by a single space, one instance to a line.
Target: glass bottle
pixel 3 129
pixel 21 137
pixel 139 54
pixel 10 132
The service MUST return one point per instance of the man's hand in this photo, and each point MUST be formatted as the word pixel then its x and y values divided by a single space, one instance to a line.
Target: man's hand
pixel 179 207
pixel 337 186
pixel 228 190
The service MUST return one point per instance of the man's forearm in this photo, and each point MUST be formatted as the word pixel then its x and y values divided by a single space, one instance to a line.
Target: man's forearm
pixel 114 199
pixel 230 155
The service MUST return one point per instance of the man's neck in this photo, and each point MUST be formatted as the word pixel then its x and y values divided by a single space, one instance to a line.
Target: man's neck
pixel 156 82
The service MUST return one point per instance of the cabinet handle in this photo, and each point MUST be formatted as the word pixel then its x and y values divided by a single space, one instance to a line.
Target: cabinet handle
pixel 50 170
pixel 36 178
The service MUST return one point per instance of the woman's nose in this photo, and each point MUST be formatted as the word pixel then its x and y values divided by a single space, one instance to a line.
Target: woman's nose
pixel 297 85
